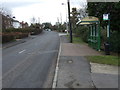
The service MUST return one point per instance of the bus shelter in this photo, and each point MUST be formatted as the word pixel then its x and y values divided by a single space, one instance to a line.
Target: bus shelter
pixel 94 31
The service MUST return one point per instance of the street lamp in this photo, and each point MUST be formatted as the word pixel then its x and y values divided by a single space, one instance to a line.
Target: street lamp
pixel 70 28
pixel 66 17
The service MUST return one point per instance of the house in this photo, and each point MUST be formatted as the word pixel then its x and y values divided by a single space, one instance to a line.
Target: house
pixel 0 22
pixel 16 24
pixel 6 21
pixel 24 24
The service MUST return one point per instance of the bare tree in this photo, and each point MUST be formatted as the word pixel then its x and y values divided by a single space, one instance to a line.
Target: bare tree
pixel 82 13
pixel 33 20
pixel 5 11
pixel 6 17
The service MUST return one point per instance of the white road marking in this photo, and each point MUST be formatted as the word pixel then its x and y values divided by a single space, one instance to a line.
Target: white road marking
pixel 22 51
pixel 54 84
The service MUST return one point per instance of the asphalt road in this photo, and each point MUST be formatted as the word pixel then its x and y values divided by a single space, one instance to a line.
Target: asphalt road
pixel 28 64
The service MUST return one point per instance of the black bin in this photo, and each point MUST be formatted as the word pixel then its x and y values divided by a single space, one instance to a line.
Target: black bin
pixel 107 48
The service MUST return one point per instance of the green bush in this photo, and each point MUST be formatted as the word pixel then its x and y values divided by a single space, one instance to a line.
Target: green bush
pixel 115 41
pixel 85 36
pixel 36 31
pixel 83 32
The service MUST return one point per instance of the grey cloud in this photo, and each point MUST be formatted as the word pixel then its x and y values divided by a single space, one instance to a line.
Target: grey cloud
pixel 18 4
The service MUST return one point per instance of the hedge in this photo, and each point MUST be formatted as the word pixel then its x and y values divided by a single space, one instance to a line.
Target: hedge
pixel 24 30
pixel 18 33
pixel 7 37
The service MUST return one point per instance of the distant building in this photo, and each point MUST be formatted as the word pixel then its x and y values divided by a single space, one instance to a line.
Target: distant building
pixel 6 21
pixel 0 22
pixel 16 24
pixel 23 24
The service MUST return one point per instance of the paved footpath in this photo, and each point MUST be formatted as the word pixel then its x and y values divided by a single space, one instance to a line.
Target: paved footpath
pixel 75 71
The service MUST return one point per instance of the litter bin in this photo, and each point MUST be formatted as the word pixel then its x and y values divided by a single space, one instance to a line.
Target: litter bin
pixel 107 48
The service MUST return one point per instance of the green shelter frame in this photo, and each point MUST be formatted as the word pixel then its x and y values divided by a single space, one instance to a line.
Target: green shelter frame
pixel 94 31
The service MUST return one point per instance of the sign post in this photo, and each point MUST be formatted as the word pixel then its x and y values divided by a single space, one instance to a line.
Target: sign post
pixel 107 44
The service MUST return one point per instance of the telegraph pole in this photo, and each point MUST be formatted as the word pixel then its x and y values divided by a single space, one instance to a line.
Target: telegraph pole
pixel 70 28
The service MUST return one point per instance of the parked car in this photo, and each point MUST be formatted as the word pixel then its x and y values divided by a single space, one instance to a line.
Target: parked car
pixel 48 30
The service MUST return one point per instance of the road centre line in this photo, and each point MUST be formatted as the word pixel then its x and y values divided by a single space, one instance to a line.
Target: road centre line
pixel 22 51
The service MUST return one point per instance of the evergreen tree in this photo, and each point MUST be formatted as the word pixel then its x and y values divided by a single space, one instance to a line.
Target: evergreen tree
pixel 99 8
pixel 74 19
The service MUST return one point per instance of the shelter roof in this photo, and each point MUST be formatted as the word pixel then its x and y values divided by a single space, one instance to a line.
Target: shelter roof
pixel 90 18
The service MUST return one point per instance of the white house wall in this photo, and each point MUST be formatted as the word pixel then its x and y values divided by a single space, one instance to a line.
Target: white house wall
pixel 16 25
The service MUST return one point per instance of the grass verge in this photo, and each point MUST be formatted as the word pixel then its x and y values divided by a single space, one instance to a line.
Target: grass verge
pixel 78 40
pixel 110 60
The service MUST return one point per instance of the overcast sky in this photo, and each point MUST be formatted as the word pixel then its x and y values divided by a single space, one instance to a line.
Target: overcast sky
pixel 42 10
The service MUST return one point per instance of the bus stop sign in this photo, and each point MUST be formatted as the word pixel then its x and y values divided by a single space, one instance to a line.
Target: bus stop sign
pixel 105 17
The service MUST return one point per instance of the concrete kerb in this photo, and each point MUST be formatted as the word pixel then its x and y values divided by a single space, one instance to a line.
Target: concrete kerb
pixel 91 76
pixel 56 70
pixel 14 43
